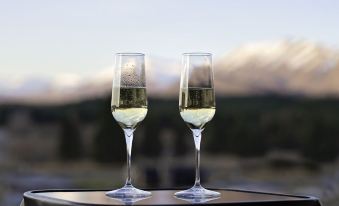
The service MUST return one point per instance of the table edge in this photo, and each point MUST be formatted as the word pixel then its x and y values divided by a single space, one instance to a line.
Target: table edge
pixel 33 194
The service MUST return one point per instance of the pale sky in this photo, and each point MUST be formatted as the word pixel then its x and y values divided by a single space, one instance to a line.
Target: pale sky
pixel 47 37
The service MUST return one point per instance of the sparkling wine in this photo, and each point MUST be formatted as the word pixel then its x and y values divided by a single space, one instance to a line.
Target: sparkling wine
pixel 129 106
pixel 197 106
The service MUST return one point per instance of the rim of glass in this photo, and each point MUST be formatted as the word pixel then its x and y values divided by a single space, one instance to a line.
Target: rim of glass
pixel 129 54
pixel 197 54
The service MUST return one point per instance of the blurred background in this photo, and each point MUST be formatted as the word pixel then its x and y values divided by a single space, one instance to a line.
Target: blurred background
pixel 276 66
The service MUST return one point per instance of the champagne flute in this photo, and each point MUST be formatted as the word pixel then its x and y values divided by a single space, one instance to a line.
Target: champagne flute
pixel 197 107
pixel 129 108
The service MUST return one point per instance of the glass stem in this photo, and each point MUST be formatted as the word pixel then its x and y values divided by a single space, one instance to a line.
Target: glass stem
pixel 197 140
pixel 129 140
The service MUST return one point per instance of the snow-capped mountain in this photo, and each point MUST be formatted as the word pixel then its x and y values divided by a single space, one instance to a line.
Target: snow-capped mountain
pixel 63 88
pixel 282 67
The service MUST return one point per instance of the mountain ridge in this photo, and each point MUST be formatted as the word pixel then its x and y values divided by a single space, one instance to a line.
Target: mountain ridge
pixel 285 67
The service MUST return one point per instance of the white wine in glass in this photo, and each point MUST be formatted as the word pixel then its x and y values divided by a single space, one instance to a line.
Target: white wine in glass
pixel 129 108
pixel 197 107
pixel 132 107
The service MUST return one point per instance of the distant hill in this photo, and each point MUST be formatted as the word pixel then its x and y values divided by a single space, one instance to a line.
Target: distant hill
pixel 283 67
pixel 287 67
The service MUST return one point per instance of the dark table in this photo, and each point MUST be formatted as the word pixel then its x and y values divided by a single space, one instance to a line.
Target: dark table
pixel 163 197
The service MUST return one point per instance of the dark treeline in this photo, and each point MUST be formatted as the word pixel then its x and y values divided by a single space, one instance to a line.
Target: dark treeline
pixel 243 126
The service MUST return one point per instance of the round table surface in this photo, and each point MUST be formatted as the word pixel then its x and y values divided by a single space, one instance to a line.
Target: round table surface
pixel 163 197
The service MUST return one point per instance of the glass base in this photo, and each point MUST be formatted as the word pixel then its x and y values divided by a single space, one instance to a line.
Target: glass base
pixel 197 192
pixel 128 192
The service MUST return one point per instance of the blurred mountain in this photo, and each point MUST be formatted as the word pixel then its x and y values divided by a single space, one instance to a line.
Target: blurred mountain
pixel 64 88
pixel 283 67
pixel 60 89
pixel 287 67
